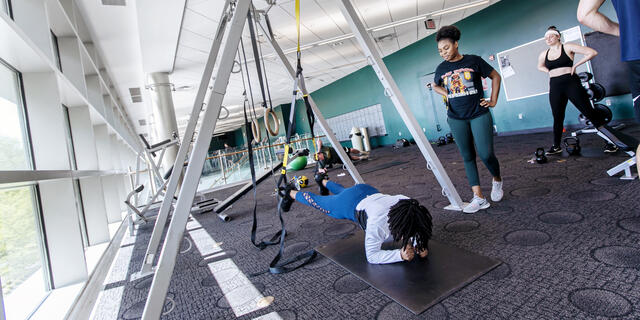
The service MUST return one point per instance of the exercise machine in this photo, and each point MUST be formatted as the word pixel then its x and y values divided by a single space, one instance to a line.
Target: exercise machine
pixel 611 135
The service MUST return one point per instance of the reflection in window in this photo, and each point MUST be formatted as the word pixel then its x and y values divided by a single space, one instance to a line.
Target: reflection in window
pixel 13 138
pixel 21 254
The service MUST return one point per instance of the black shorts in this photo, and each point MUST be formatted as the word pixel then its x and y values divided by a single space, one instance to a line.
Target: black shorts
pixel 634 85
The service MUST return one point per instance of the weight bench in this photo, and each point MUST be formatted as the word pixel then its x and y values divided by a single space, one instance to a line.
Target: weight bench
pixel 627 144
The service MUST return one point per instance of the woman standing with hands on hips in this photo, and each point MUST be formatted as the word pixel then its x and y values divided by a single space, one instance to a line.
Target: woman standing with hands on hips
pixel 564 84
pixel 459 79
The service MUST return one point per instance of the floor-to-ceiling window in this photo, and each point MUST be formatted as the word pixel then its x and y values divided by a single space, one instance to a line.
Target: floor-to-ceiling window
pixel 22 259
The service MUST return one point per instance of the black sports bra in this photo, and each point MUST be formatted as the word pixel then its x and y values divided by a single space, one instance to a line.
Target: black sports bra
pixel 563 61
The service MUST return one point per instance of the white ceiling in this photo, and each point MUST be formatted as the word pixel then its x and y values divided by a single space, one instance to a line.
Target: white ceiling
pixel 323 64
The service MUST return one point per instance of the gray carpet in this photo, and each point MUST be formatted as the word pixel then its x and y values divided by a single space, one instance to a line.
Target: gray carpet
pixel 567 233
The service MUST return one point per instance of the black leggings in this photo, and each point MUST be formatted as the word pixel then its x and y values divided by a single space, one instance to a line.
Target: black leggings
pixel 562 89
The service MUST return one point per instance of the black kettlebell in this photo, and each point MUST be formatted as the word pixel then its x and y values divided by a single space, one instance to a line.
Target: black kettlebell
pixel 441 141
pixel 449 137
pixel 572 145
pixel 541 157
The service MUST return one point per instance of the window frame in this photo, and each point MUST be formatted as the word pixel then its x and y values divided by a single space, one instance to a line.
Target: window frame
pixel 24 123
pixel 56 49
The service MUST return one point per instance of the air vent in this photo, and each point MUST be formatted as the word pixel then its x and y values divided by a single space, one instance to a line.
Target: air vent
pixel 136 95
pixel 114 2
pixel 142 122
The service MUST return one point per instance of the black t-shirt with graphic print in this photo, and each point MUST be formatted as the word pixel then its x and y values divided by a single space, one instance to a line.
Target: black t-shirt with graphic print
pixel 463 82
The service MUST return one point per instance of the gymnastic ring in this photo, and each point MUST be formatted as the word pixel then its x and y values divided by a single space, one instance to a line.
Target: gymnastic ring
pixel 255 129
pixel 190 246
pixel 226 115
pixel 173 306
pixel 236 63
pixel 274 117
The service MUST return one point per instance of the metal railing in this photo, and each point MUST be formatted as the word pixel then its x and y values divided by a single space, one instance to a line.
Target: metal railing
pixel 231 165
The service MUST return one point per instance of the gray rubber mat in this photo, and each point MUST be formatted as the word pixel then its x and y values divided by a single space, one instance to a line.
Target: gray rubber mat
pixel 416 285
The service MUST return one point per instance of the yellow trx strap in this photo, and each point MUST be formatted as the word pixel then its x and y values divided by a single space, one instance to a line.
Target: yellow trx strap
pixel 285 159
pixel 298 21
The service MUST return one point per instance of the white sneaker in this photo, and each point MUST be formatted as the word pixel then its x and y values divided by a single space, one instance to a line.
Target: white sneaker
pixel 476 204
pixel 496 191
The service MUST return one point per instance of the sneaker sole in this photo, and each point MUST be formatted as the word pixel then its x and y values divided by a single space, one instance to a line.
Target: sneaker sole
pixel 552 153
pixel 486 206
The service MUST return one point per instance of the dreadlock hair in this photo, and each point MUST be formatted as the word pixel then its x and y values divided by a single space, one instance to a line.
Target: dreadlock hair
pixel 408 220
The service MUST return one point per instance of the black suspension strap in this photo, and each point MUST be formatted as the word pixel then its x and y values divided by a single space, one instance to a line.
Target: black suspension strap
pixel 276 266
pixel 249 133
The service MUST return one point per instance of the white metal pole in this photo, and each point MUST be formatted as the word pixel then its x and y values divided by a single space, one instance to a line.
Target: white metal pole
pixel 178 165
pixel 175 233
pixel 393 92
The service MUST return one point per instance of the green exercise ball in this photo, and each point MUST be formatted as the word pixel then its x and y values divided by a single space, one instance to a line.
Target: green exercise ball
pixel 298 163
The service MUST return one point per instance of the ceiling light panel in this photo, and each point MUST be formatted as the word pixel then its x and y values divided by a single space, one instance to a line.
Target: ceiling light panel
pixel 195 21
pixel 210 8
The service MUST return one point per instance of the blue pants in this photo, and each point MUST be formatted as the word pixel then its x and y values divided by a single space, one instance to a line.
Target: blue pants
pixel 342 204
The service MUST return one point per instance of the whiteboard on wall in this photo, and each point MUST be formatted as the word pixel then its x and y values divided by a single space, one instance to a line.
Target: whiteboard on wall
pixel 369 117
pixel 519 66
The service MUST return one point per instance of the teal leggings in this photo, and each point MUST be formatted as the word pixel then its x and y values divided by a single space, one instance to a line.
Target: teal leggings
pixel 478 131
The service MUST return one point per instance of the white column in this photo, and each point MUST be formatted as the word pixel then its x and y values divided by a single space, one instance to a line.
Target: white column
pixel 112 198
pixel 60 217
pixel 64 240
pixel 71 62
pixel 46 121
pixel 117 179
pixel 103 147
pixel 164 113
pixel 95 211
pixel 32 18
pixel 83 138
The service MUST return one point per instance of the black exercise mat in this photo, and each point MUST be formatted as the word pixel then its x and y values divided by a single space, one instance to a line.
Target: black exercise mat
pixel 416 285
pixel 383 166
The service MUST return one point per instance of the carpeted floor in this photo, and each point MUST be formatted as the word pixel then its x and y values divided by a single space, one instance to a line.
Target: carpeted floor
pixel 568 234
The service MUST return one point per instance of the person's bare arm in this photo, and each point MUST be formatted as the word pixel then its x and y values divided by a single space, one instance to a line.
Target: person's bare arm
pixel 589 16
pixel 587 52
pixel 439 90
pixel 495 90
pixel 541 65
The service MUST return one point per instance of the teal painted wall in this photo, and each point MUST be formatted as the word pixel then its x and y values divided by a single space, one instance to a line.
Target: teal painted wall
pixel 502 26
pixel 240 139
